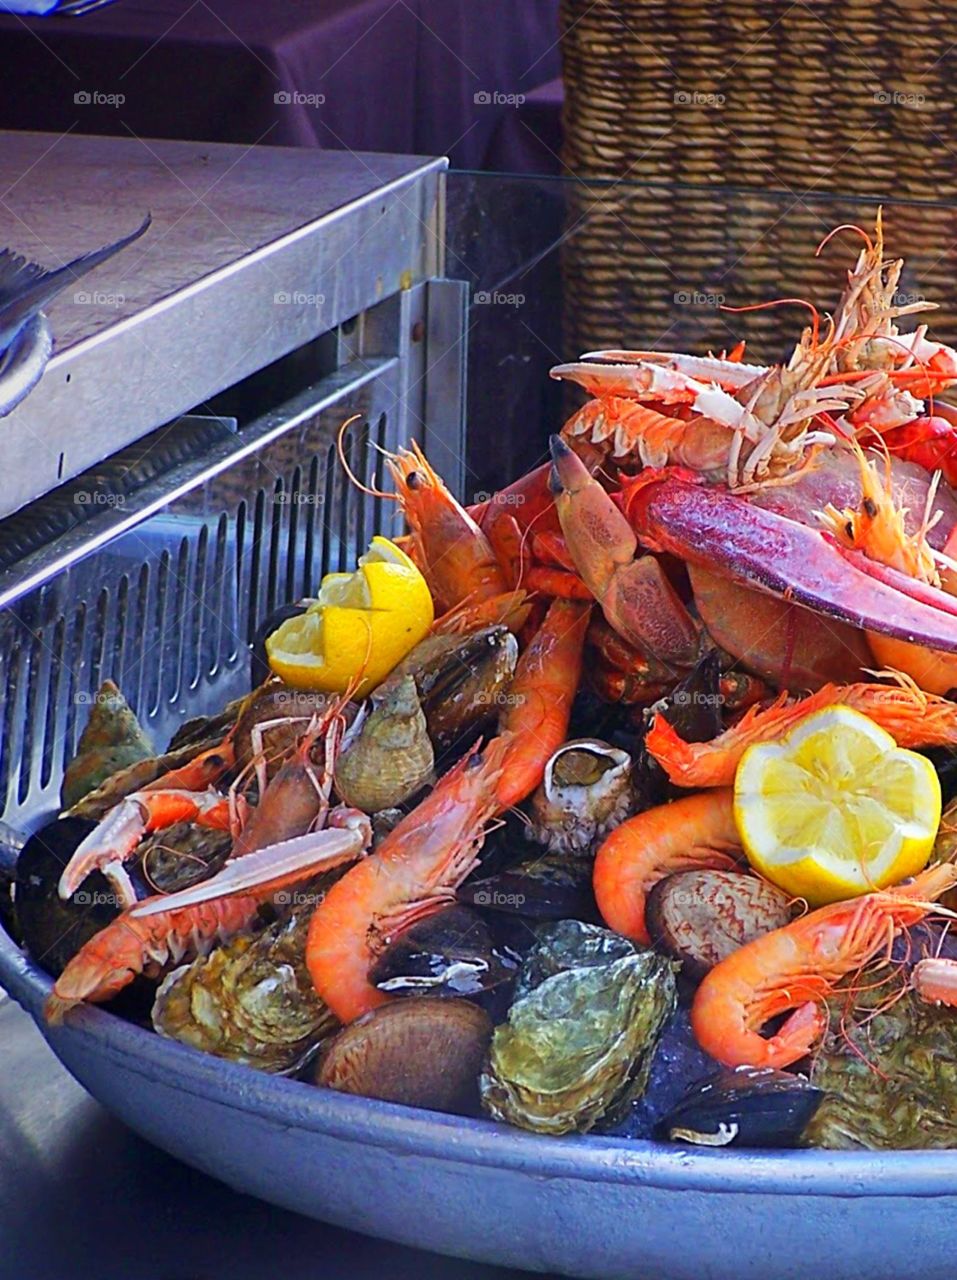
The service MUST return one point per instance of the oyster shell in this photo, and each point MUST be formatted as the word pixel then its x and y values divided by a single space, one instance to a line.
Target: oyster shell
pixel 581 1033
pixel 251 1001
pixel 390 757
pixel 585 792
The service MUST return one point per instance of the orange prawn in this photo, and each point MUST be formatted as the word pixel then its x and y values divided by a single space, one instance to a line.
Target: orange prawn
pixel 414 871
pixel 694 833
pixel 797 967
pixel 911 716
pixel 452 552
pixel 540 698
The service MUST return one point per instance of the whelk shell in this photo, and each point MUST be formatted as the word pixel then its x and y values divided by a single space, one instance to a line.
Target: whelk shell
pixel 586 791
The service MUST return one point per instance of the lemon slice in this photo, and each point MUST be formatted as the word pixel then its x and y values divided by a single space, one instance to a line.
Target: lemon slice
pixel 836 808
pixel 361 624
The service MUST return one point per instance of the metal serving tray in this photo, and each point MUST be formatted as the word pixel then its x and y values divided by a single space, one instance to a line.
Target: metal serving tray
pixel 162 592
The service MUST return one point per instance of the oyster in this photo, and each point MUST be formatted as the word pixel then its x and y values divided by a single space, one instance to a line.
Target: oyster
pixel 746 1107
pixel 390 756
pixel 586 791
pixel 581 1033
pixel 111 740
pixel 251 1001
pixel 890 1074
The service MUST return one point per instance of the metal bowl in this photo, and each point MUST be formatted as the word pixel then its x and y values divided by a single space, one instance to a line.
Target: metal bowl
pixel 579 1206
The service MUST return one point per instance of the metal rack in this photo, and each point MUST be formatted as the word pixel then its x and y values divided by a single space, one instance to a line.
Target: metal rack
pixel 231 363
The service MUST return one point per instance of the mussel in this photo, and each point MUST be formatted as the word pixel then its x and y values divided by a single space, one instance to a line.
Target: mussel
pixel 251 1001
pixel 424 1052
pixel 53 930
pixel 11 846
pixel 179 857
pixel 461 681
pixel 552 886
pixel 286 712
pixel 112 739
pixel 586 791
pixel 450 953
pixel 390 757
pixel 746 1107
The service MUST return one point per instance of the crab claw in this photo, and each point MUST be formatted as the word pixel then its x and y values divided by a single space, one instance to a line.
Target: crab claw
pixel 710 527
pixel 635 595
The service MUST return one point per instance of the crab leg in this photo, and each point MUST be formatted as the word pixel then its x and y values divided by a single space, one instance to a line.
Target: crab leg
pixel 713 528
pixel 635 595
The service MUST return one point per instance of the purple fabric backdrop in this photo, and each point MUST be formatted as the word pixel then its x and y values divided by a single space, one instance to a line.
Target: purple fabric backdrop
pixel 379 75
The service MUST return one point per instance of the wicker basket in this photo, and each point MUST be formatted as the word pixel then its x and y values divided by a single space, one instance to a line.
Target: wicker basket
pixel 668 102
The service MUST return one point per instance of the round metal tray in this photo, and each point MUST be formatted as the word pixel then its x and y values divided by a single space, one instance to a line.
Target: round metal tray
pixel 579 1206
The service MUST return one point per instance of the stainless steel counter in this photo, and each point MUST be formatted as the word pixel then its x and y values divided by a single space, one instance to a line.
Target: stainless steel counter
pixel 252 253
pixel 82 1198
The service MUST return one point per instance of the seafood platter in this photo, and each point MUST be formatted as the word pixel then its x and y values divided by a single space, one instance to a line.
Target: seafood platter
pixel 591 847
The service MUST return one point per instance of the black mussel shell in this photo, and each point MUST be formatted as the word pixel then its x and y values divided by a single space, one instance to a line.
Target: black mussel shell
pixel 450 953
pixel 746 1107
pixel 693 709
pixel 928 940
pixel 679 1061
pixel 53 930
pixel 545 887
pixel 259 669
pixel 11 845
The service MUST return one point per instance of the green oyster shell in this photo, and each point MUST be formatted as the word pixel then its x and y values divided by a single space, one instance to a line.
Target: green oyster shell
pixel 251 1001
pixel 581 1033
pixel 909 1102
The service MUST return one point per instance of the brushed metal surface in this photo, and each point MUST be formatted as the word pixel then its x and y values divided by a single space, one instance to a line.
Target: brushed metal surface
pixel 252 253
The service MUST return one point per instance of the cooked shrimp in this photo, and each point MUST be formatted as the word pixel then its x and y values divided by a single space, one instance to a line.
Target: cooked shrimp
pixel 451 550
pixel 690 834
pixel 414 871
pixel 912 717
pixel 540 697
pixel 797 967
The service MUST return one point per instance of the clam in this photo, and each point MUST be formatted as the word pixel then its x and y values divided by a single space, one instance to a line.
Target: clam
pixel 586 791
pixel 450 953
pixel 389 757
pixel 423 1052
pixel 746 1107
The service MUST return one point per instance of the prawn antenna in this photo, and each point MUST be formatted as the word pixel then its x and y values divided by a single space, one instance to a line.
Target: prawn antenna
pixel 845 226
pixel 783 302
pixel 359 484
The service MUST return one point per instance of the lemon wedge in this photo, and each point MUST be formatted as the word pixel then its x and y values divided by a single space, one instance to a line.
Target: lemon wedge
pixel 836 808
pixel 361 624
